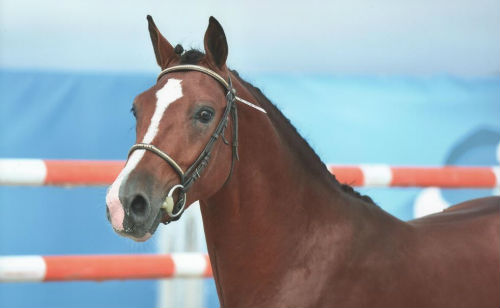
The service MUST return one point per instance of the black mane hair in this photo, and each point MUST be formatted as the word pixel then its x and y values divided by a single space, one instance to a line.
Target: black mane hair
pixel 193 56
pixel 298 142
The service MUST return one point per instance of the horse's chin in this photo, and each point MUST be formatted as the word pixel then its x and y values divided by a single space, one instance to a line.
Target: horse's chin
pixel 142 237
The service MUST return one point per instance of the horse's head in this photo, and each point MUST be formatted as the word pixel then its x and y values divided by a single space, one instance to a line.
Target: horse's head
pixel 181 122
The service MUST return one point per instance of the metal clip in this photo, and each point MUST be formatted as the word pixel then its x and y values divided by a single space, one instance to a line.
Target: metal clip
pixel 168 204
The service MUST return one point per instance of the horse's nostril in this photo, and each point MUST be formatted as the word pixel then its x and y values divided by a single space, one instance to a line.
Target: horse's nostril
pixel 139 205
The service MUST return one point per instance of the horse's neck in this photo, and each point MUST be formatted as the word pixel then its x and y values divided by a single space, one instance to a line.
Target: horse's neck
pixel 270 216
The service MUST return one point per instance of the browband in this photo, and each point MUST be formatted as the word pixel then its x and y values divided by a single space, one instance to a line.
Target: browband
pixel 222 81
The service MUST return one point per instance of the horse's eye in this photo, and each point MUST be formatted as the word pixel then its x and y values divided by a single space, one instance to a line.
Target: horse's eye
pixel 205 116
pixel 133 111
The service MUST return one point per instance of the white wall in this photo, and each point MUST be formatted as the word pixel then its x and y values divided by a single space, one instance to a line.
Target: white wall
pixel 459 37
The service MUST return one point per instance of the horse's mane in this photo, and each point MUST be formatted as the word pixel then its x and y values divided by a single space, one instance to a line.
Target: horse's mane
pixel 296 141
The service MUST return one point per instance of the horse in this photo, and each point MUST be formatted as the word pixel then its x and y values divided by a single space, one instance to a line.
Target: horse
pixel 280 229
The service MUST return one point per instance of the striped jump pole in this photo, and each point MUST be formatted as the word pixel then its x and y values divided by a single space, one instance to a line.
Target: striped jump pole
pixel 445 177
pixel 38 172
pixel 103 267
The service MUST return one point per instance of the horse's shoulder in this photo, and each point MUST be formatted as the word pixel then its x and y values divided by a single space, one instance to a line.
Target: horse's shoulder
pixel 474 223
pixel 484 205
pixel 473 210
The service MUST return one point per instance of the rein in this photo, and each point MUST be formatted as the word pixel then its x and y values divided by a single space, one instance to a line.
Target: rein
pixel 193 173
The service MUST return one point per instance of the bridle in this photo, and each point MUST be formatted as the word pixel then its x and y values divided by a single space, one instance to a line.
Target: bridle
pixel 188 177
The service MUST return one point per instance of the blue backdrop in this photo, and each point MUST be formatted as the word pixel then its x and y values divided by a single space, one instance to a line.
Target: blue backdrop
pixel 348 120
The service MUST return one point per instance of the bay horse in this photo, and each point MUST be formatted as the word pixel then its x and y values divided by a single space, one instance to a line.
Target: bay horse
pixel 280 229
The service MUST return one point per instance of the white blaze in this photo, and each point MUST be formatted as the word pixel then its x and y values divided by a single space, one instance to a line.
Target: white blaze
pixel 169 93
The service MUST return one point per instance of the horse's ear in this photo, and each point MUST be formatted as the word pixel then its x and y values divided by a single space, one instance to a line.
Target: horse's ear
pixel 215 43
pixel 164 51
